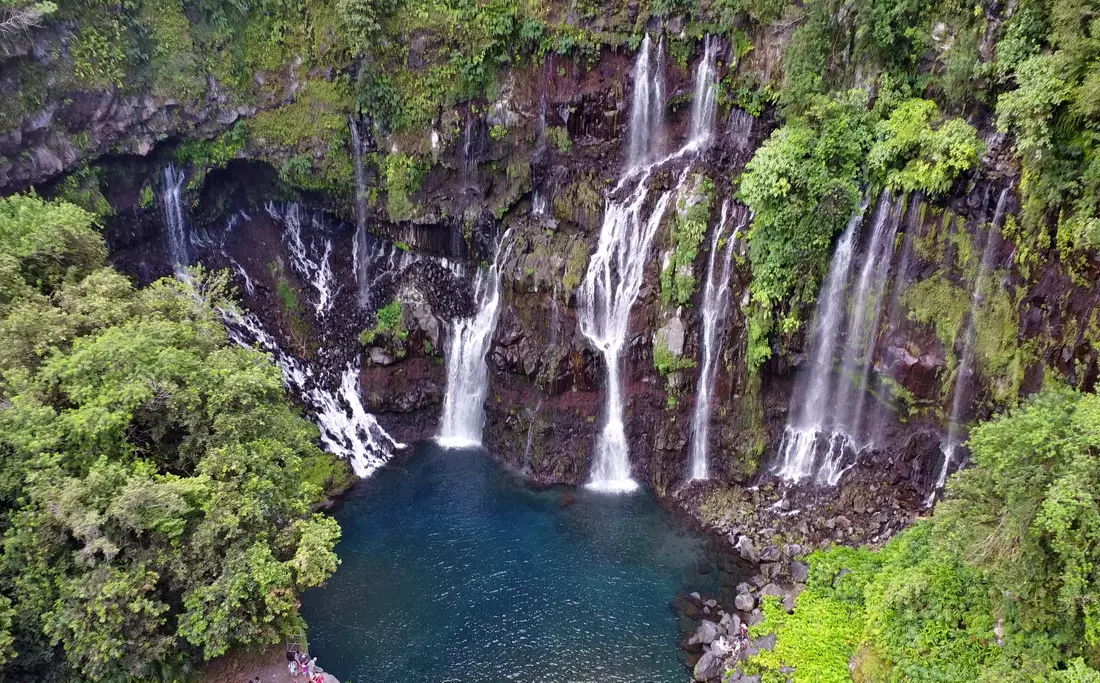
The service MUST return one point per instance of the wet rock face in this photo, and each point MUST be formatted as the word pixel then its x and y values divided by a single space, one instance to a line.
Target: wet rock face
pixel 77 125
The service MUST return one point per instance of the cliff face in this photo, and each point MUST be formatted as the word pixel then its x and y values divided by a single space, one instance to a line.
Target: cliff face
pixel 535 162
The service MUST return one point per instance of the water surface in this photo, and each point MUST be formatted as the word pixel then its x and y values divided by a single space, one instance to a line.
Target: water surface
pixel 454 571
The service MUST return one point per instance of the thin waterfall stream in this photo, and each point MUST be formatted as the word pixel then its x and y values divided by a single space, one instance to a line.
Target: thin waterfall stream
pixel 825 433
pixel 467 371
pixel 175 217
pixel 966 365
pixel 716 307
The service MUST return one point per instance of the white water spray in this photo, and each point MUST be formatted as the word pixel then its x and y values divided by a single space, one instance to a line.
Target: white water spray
pixel 647 105
pixel 175 218
pixel 467 372
pixel 347 429
pixel 824 435
pixel 616 269
pixel 716 306
pixel 315 268
pixel 704 106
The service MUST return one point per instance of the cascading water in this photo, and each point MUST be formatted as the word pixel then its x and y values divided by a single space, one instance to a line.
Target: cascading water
pixel 316 270
pixel 616 269
pixel 607 294
pixel 647 105
pixel 716 306
pixel 704 106
pixel 347 429
pixel 467 371
pixel 966 365
pixel 825 430
pixel 175 218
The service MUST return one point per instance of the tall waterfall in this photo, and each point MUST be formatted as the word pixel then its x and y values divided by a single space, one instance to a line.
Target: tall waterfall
pixel 716 306
pixel 175 217
pixel 616 269
pixel 966 365
pixel 467 371
pixel 647 105
pixel 704 106
pixel 825 432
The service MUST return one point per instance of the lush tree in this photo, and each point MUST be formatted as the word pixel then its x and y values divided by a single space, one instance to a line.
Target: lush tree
pixel 154 503
pixel 1000 584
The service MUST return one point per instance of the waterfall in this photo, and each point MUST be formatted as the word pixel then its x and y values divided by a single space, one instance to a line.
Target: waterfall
pixel 616 269
pixel 704 106
pixel 966 365
pixel 315 268
pixel 175 217
pixel 377 263
pixel 716 306
pixel 467 372
pixel 647 105
pixel 361 209
pixel 347 429
pixel 608 292
pixel 361 196
pixel 826 425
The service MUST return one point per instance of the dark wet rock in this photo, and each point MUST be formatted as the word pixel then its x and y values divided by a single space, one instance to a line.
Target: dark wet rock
pixel 767 642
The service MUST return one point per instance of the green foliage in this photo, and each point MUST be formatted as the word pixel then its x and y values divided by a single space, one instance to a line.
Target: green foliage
pixel 146 198
pixel 803 186
pixel 402 175
pixel 498 132
pixel 817 640
pixel 910 155
pixel 666 362
pixel 389 324
pixel 205 155
pixel 310 134
pixel 560 137
pixel 460 49
pixel 288 296
pixel 996 586
pixel 1050 52
pixel 936 301
pixel 154 503
pixel 687 232
pixel 98 59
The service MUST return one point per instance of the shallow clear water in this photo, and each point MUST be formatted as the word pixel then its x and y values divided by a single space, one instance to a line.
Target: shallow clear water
pixel 454 571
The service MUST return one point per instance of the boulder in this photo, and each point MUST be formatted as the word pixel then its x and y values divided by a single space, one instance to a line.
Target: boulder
pixel 708 668
pixel 744 602
pixel 722 648
pixel 706 632
pixel 772 590
pixel 767 642
pixel 747 549
pixel 800 571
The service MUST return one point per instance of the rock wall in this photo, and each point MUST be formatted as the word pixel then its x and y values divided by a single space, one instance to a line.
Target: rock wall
pixel 537 161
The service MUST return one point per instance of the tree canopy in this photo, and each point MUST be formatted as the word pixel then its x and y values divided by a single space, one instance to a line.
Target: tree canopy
pixel 154 502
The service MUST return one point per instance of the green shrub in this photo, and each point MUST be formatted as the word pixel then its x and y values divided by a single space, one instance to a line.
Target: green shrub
pixel 687 232
pixel 402 175
pixel 560 137
pixel 667 362
pixel 389 324
pixel 915 152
